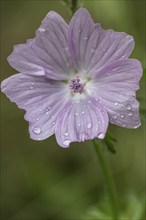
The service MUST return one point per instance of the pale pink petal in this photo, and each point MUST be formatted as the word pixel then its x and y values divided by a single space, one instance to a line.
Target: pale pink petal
pixel 46 54
pixel 80 121
pixel 116 85
pixel 82 35
pixel 110 46
pixel 92 47
pixel 41 98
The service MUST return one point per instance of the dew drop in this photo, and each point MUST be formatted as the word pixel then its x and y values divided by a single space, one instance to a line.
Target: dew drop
pixel 49 108
pixel 66 142
pixel 66 134
pixel 37 130
pixel 136 126
pixel 83 112
pixel 53 122
pixel 89 125
pixel 116 103
pixel 130 113
pixel 79 125
pixel 82 136
pixel 115 116
pixel 122 116
pixel 128 106
pixel 101 135
pixel 137 123
pixel 31 87
pixel 124 125
pixel 52 117
pixel 37 119
pixel 66 48
pixel 76 114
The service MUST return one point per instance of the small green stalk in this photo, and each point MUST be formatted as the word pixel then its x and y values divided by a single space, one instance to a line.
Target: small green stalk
pixel 108 180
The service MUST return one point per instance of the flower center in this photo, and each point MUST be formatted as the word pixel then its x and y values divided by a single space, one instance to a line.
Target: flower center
pixel 76 85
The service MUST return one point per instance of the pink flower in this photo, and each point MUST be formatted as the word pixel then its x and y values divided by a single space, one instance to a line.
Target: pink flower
pixel 74 79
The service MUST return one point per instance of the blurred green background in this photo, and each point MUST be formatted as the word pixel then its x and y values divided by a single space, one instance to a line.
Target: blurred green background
pixel 40 180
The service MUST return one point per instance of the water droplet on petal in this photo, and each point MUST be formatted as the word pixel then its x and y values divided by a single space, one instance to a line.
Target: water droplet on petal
pixel 83 112
pixel 89 125
pixel 124 125
pixel 116 103
pixel 53 122
pixel 31 87
pixel 115 116
pixel 66 142
pixel 79 125
pixel 52 117
pixel 101 135
pixel 128 106
pixel 136 126
pixel 82 136
pixel 49 108
pixel 130 113
pixel 66 48
pixel 122 116
pixel 37 130
pixel 76 114
pixel 66 134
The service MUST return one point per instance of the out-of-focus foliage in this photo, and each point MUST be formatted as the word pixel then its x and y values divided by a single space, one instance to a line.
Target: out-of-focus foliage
pixel 132 208
pixel 39 180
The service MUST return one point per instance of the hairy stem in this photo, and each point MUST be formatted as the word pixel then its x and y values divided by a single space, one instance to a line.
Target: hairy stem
pixel 108 180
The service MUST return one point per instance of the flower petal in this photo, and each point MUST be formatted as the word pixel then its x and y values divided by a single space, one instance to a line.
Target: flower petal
pixel 116 85
pixel 41 98
pixel 110 46
pixel 92 47
pixel 46 21
pixel 46 54
pixel 80 121
pixel 82 34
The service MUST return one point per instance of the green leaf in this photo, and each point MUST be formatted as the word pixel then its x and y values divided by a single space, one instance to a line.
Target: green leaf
pixel 109 142
pixel 110 146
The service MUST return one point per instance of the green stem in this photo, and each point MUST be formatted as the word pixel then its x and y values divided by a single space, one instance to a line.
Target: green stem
pixel 108 180
pixel 74 6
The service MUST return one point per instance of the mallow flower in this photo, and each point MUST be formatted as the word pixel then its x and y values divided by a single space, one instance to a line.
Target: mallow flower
pixel 75 79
